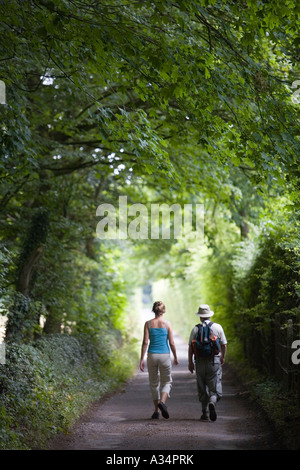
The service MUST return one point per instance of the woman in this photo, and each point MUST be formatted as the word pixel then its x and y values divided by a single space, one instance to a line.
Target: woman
pixel 159 332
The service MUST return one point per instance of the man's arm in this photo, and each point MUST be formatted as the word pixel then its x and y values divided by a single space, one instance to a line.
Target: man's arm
pixel 223 353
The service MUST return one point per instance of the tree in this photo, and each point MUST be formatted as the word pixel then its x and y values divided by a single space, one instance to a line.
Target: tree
pixel 193 98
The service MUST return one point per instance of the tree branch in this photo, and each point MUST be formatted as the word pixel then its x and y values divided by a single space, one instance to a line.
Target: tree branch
pixel 79 165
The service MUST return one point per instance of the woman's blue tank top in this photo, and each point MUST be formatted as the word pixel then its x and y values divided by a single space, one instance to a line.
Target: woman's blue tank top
pixel 158 340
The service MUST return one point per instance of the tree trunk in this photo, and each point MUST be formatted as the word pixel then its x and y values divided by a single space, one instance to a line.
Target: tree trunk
pixel 21 321
pixel 26 272
pixel 53 321
pixel 245 228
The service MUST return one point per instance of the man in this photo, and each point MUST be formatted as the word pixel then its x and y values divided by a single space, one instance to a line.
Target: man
pixel 208 369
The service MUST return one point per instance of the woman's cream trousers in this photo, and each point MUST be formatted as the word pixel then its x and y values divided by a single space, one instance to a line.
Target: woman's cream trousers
pixel 160 374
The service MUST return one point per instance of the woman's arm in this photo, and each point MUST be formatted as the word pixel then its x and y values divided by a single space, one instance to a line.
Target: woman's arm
pixel 144 346
pixel 172 343
pixel 190 359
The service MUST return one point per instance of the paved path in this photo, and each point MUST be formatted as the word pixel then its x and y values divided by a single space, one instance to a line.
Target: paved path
pixel 122 421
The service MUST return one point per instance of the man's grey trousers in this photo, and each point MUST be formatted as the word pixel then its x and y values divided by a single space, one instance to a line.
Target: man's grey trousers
pixel 209 380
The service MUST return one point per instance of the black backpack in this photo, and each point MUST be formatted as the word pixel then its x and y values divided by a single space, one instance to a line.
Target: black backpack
pixel 206 344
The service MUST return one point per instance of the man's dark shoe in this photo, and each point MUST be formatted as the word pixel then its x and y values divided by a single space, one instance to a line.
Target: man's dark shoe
pixel 212 412
pixel 163 409
pixel 155 415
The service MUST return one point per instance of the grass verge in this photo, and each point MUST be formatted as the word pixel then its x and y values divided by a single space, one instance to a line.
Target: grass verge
pixel 280 407
pixel 45 386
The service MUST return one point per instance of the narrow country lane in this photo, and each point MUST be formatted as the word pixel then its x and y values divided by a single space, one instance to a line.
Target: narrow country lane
pixel 123 421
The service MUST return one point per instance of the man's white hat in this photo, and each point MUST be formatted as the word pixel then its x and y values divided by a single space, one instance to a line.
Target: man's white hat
pixel 204 311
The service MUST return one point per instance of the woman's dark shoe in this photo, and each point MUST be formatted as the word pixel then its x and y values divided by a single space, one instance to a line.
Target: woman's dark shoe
pixel 163 409
pixel 204 416
pixel 155 415
pixel 212 412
